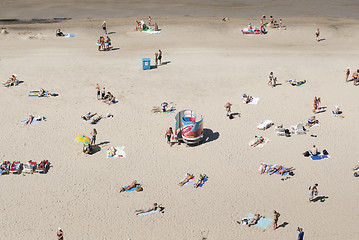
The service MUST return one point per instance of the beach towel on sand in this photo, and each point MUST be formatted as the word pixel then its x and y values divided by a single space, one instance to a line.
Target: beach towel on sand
pixel 151 31
pixel 254 101
pixel 70 35
pixel 148 213
pixel 132 189
pixel 319 157
pixel 36 94
pixel 204 180
pixel 120 152
pixel 262 222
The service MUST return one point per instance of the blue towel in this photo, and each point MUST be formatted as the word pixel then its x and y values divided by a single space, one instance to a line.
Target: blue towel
pixel 204 180
pixel 116 101
pixel 36 93
pixel 319 157
pixel 262 222
pixel 132 189
pixel 34 121
pixel 71 35
pixel 148 213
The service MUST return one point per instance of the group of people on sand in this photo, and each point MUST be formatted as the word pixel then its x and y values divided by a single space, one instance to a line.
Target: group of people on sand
pixel 272 23
pixel 355 76
pixel 141 25
pixel 265 168
pixel 104 44
pixel 190 176
pixel 106 98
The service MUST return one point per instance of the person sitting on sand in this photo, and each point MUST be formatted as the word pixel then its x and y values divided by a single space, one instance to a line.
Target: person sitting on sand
pixel 88 116
pixel 59 33
pixel 255 219
pixel 314 151
pixel 155 27
pixel 356 77
pixel 153 208
pixel 29 119
pixel 312 121
pixel 41 92
pixel 259 140
pixel 356 167
pixel 132 185
pixel 200 180
pixel 263 168
pixel 110 100
pixel 336 110
pixel 11 81
pixel 263 30
pixel 249 26
pixel 111 151
pixel 95 120
pixel 228 106
pixel 186 180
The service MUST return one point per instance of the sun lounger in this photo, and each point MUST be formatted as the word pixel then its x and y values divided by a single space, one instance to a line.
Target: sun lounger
pixel 47 166
pixel 263 222
pixel 298 129
pixel 15 167
pixel 264 125
pixel 28 167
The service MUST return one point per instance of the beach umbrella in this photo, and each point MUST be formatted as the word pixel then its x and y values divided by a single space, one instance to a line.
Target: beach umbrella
pixel 82 139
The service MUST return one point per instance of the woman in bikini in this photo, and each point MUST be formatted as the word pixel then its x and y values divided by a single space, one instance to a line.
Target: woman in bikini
pixel 186 180
pixel 153 208
pixel 132 185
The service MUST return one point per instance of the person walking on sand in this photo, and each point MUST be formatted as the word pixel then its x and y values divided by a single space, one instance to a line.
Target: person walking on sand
pixel 317 33
pixel 60 234
pixel 301 234
pixel 98 91
pixel 104 27
pixel 93 136
pixel 270 79
pixel 160 56
pixel 276 217
pixel 313 191
pixel 168 135
pixel 347 73
pixel 228 106
pixel 156 59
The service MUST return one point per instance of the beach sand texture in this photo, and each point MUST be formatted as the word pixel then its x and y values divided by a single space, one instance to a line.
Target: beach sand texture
pixel 209 62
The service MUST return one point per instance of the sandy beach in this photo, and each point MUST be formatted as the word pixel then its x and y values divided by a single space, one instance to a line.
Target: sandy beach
pixel 207 63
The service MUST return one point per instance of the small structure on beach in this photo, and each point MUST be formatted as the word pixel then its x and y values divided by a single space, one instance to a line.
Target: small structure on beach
pixel 189 128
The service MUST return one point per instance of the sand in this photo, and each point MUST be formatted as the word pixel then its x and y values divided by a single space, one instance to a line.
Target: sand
pixel 209 62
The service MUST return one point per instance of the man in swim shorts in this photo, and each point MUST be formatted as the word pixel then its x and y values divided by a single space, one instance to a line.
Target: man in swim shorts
pixel 168 135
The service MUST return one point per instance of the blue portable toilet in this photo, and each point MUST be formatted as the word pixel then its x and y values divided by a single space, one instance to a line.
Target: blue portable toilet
pixel 146 63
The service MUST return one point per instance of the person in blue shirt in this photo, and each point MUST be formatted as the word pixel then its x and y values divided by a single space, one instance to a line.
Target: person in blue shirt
pixel 301 234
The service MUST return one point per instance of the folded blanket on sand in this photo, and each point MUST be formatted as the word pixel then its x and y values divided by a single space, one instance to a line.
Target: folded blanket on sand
pixel 266 140
pixel 120 152
pixel 263 222
pixel 253 101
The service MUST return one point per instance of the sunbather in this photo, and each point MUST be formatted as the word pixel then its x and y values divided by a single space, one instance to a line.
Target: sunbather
pixel 41 92
pixel 200 180
pixel 95 120
pixel 88 116
pixel 59 33
pixel 111 151
pixel 336 110
pixel 275 169
pixel 246 98
pixel 312 121
pixel 153 208
pixel 186 180
pixel 5 165
pixel 263 168
pixel 259 140
pixel 29 119
pixel 132 185
pixel 314 151
pixel 356 167
pixel 110 100
pixel 41 165
pixel 285 170
pixel 254 220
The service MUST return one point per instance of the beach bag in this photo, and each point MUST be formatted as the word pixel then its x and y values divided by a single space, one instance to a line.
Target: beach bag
pixel 306 154
pixel 325 152
pixel 139 189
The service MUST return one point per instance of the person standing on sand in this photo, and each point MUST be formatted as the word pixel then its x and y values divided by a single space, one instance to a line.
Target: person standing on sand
pixel 228 106
pixel 301 234
pixel 168 135
pixel 317 33
pixel 270 79
pixel 98 91
pixel 156 59
pixel 93 136
pixel 313 191
pixel 347 73
pixel 104 27
pixel 160 56
pixel 149 20
pixel 103 93
pixel 280 24
pixel 60 234
pixel 276 217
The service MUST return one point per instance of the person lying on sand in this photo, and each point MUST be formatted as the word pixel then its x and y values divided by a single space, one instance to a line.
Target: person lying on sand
pixel 95 120
pixel 259 140
pixel 5 165
pixel 186 180
pixel 254 220
pixel 312 121
pixel 153 208
pixel 263 168
pixel 282 170
pixel 296 83
pixel 200 180
pixel 111 151
pixel 356 167
pixel 41 92
pixel 275 169
pixel 132 185
pixel 41 165
pixel 29 119
pixel 246 98
pixel 336 110
pixel 88 116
